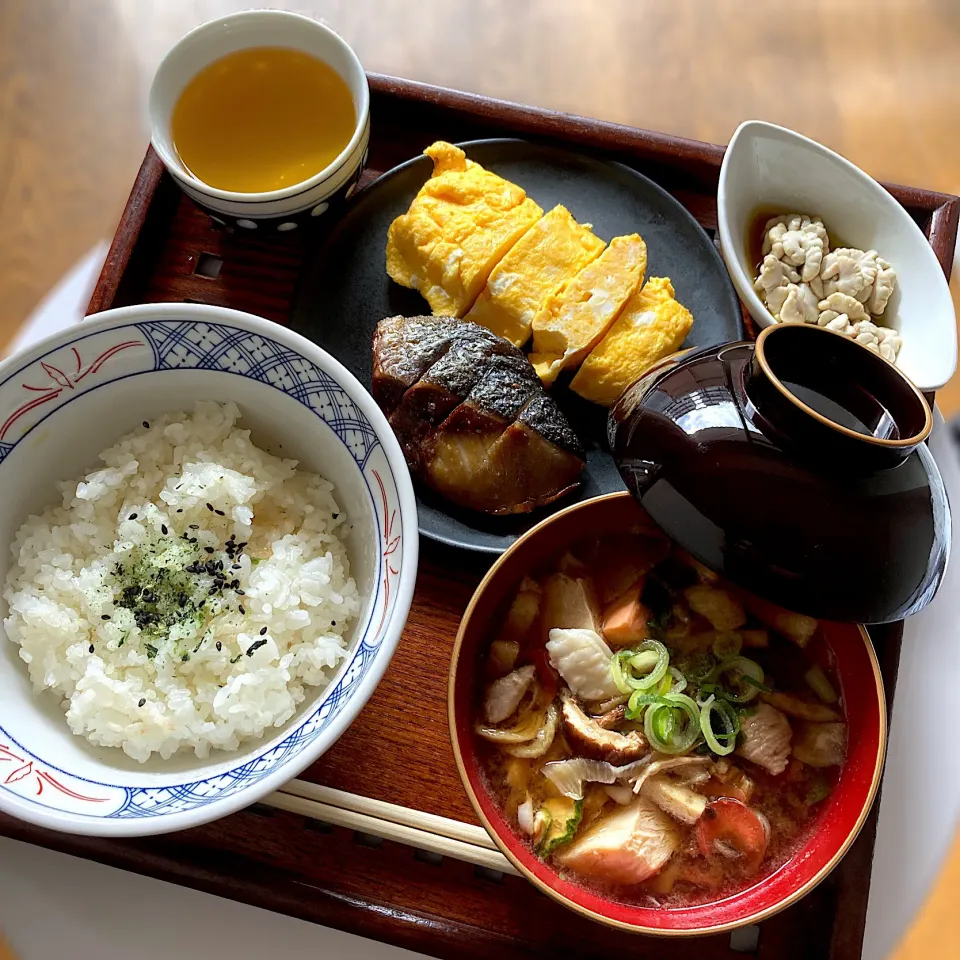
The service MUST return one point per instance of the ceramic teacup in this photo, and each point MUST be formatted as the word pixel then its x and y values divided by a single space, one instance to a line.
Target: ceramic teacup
pixel 274 210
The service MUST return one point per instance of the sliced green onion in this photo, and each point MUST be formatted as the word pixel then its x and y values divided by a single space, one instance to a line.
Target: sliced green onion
pixel 728 644
pixel 679 681
pixel 638 702
pixel 673 682
pixel 729 720
pixel 645 661
pixel 672 724
pixel 762 687
pixel 662 722
pixel 820 685
pixel 732 716
pixel 640 669
pixel 616 671
pixel 741 668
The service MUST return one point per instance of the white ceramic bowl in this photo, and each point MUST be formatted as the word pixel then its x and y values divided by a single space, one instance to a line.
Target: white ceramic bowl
pixel 75 394
pixel 295 205
pixel 769 167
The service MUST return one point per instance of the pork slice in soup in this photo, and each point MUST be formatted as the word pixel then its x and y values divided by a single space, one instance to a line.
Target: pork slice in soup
pixel 650 730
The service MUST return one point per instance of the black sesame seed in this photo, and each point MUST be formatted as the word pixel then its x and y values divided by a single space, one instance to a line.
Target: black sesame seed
pixel 335 515
pixel 143 700
pixel 210 506
pixel 219 513
pixel 91 648
pixel 233 537
pixel 180 510
pixel 194 526
pixel 132 516
pixel 163 529
pixel 146 424
pixel 236 566
pixel 240 608
pixel 234 584
pixel 263 630
pixel 241 592
pixel 208 549
pixel 219 646
pixel 333 623
pixel 104 616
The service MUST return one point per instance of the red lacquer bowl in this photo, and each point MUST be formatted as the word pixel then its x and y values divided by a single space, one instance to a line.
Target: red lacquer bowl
pixel 840 818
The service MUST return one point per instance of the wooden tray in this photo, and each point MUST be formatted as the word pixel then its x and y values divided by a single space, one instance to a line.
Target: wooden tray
pixel 378 837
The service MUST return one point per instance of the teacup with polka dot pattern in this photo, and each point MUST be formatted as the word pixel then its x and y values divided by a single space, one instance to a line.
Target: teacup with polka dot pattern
pixel 293 207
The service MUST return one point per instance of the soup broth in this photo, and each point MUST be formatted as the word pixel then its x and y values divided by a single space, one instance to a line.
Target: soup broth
pixel 262 119
pixel 651 731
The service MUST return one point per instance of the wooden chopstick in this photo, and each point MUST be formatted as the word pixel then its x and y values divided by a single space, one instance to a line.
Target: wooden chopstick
pixel 391 812
pixel 390 830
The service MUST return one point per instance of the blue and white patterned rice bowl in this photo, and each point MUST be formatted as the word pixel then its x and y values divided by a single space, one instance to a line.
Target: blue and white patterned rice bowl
pixel 74 395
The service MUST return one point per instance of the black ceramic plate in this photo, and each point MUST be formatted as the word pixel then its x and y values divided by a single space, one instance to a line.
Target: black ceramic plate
pixel 346 291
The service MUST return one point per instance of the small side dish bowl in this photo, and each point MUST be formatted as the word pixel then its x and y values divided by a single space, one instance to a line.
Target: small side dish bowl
pixel 300 203
pixel 74 395
pixel 771 169
pixel 837 823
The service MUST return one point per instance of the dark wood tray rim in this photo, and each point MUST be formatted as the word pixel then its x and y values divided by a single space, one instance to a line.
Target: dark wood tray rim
pixel 208 859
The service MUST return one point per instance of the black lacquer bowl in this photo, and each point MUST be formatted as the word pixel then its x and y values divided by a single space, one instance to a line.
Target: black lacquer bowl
pixel 795 466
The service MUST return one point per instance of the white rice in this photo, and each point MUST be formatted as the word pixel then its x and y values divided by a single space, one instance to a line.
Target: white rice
pixel 206 675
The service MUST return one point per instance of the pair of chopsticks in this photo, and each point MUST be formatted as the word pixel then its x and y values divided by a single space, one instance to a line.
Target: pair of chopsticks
pixel 415 828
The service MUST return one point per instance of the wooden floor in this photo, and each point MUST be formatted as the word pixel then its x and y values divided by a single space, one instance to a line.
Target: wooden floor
pixel 877 80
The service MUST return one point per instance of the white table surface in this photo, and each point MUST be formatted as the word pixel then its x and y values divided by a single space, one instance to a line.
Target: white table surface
pixel 53 905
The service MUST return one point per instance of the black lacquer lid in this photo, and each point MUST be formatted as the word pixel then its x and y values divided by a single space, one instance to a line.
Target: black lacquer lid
pixel 795 467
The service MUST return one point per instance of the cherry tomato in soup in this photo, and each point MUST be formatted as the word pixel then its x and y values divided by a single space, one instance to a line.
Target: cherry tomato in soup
pixel 734 825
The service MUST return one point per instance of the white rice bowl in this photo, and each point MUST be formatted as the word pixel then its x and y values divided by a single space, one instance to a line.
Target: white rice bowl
pixel 149 656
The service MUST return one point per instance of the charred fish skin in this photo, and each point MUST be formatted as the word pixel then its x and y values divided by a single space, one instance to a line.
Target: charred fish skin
pixel 403 348
pixel 465 362
pixel 472 417
pixel 506 385
pixel 501 391
pixel 442 388
pixel 544 416
pixel 496 398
